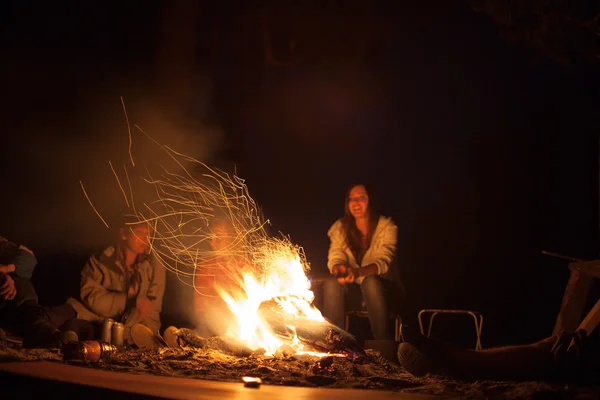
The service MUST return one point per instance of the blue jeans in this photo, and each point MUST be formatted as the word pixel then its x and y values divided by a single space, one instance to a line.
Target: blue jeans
pixel 25 292
pixel 373 291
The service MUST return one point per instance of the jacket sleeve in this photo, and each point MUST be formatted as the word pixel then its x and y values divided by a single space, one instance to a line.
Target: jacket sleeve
pixel 24 262
pixel 156 288
pixel 386 250
pixel 96 297
pixel 336 254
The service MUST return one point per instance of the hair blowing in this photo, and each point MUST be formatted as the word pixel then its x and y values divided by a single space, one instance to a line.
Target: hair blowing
pixel 351 232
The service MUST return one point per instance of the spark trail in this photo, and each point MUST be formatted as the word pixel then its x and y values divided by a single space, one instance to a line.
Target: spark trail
pixel 268 270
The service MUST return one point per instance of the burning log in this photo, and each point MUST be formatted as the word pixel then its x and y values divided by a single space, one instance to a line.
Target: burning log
pixel 323 365
pixel 187 337
pixel 190 338
pixel 333 341
pixel 320 337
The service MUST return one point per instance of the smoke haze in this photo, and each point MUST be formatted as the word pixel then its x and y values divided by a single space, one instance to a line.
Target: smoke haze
pixel 51 153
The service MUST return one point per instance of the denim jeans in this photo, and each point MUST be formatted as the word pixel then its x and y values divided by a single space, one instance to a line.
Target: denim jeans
pixel 373 289
pixel 20 310
pixel 26 312
pixel 64 318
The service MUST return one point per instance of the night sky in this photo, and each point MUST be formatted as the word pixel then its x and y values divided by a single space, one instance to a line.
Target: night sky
pixel 481 156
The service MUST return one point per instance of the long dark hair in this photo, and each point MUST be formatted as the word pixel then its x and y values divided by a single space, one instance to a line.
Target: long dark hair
pixel 351 232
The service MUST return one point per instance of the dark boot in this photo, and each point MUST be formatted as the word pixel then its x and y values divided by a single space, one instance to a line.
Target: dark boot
pixel 37 330
pixel 422 356
pixel 84 330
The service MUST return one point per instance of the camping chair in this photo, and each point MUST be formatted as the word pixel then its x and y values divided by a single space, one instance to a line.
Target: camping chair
pixel 356 308
pixel 477 317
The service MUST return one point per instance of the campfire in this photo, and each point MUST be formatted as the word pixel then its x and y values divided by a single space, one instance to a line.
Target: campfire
pixel 272 304
pixel 274 312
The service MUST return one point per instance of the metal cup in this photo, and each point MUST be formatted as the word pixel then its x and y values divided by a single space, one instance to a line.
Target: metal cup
pixel 117 334
pixel 107 330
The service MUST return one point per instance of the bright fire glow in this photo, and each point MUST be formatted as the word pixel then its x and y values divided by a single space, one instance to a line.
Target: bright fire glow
pixel 274 297
pixel 283 283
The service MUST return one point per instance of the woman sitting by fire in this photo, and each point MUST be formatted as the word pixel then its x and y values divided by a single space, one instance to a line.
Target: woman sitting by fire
pixel 222 271
pixel 362 252
pixel 124 282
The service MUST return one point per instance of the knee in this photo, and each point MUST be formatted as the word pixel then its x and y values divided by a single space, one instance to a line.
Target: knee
pixel 22 283
pixel 372 285
pixel 332 288
pixel 25 290
pixel 371 281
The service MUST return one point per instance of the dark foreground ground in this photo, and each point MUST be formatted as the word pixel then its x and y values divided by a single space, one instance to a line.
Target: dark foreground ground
pixel 371 372
pixel 96 384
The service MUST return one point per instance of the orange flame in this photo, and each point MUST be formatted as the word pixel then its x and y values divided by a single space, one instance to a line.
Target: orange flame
pixel 284 286
pixel 186 199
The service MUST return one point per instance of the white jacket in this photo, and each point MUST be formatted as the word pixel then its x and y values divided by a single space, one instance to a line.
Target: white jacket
pixel 381 252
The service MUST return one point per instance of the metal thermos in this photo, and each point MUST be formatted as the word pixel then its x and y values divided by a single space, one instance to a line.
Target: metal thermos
pixel 107 330
pixel 88 351
pixel 117 334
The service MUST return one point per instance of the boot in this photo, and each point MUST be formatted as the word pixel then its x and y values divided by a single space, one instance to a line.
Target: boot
pixel 144 338
pixel 37 330
pixel 422 356
pixel 171 335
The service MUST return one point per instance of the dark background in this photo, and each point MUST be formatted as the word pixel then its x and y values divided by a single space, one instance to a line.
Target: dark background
pixel 484 151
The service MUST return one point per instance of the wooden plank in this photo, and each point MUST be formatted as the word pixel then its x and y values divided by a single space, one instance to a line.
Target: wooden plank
pixel 591 320
pixel 181 388
pixel 574 300
pixel 591 268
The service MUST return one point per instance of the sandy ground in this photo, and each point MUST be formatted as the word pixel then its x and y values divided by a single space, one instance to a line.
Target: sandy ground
pixel 371 371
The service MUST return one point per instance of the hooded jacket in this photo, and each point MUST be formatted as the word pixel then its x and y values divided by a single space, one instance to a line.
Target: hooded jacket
pixel 103 290
pixel 381 252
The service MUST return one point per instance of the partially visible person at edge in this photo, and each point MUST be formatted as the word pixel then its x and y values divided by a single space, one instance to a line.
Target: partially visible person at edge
pixel 223 270
pixel 19 300
pixel 565 357
pixel 363 251
pixel 124 282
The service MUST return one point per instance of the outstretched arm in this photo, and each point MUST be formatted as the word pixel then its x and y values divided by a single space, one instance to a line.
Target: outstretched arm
pixel 336 255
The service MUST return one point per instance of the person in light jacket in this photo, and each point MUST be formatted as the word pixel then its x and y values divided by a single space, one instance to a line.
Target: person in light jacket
pixel 362 251
pixel 124 282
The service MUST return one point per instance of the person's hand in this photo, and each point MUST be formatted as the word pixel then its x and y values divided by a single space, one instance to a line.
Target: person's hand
pixel 351 275
pixel 344 274
pixel 339 271
pixel 7 268
pixel 134 288
pixel 144 305
pixel 8 290
pixel 335 270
